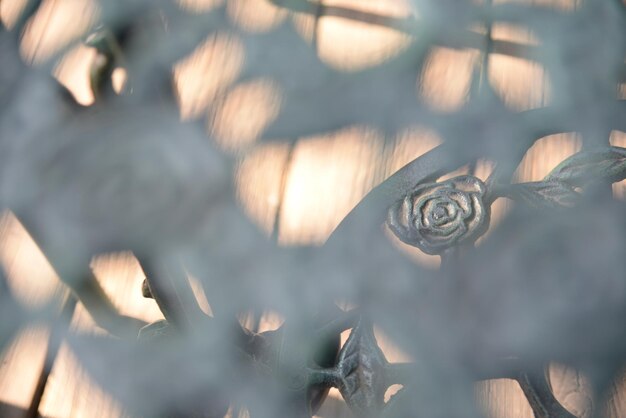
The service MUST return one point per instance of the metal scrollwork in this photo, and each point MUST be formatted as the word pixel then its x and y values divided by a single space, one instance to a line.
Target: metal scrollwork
pixel 436 216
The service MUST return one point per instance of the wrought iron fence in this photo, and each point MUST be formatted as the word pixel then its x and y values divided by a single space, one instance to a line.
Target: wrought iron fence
pixel 547 284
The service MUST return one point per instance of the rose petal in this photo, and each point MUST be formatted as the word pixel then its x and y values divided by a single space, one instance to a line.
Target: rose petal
pixel 452 209
pixel 463 200
pixel 397 220
pixel 426 212
pixel 444 230
pixel 468 184
pixel 433 244
pixel 426 190
pixel 478 223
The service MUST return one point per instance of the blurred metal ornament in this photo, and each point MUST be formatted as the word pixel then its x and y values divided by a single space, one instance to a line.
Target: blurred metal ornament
pixel 538 391
pixel 122 177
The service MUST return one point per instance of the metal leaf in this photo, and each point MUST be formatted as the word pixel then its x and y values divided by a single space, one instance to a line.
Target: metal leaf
pixel 544 193
pixel 361 368
pixel 589 166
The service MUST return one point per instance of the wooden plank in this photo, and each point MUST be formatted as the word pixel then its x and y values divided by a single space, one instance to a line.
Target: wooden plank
pixel 502 398
pixel 12 411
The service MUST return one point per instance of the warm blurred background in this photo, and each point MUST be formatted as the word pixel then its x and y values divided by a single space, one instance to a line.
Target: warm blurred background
pixel 278 184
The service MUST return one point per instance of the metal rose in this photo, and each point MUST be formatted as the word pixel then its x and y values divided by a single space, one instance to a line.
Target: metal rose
pixel 435 216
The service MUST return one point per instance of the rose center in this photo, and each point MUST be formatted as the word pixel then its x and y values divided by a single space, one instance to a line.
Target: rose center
pixel 440 212
pixel 443 213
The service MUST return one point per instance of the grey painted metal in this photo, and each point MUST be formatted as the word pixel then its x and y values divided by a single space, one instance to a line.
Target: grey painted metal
pixel 435 217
